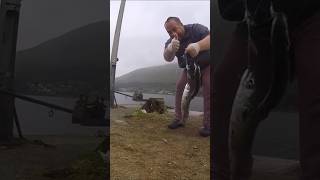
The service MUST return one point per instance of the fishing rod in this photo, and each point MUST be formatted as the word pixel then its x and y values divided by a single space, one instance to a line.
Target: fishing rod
pixel 83 113
pixel 145 100
pixel 37 101
pixel 128 95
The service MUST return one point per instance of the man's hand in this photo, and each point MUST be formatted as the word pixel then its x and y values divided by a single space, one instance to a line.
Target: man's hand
pixel 174 45
pixel 172 48
pixel 193 49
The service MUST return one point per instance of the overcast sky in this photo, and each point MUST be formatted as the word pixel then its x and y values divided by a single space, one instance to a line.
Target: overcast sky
pixel 42 20
pixel 142 33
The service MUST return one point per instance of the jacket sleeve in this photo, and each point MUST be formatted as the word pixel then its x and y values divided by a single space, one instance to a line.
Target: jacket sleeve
pixel 201 31
pixel 232 10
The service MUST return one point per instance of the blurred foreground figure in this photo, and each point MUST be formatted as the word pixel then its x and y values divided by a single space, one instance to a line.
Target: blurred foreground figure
pixel 253 75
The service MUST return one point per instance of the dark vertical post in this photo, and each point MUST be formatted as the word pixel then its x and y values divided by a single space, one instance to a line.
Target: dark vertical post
pixel 9 20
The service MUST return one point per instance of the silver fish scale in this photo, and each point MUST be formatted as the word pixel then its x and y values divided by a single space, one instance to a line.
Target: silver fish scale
pixel 191 88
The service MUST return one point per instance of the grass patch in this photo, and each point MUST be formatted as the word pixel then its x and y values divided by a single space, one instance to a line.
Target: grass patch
pixel 89 166
pixel 144 148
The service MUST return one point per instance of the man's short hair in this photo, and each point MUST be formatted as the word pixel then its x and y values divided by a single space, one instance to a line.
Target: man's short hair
pixel 176 19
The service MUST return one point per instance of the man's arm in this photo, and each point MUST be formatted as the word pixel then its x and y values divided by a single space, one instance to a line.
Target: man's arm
pixel 168 55
pixel 204 44
pixel 193 49
pixel 171 49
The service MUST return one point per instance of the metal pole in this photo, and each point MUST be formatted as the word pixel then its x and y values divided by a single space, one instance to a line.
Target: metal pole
pixel 17 123
pixel 26 98
pixel 9 20
pixel 114 52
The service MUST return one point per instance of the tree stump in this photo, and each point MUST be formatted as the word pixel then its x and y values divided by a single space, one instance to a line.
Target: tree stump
pixel 154 105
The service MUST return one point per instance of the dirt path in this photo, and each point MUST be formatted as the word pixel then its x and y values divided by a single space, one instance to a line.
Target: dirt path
pixel 143 148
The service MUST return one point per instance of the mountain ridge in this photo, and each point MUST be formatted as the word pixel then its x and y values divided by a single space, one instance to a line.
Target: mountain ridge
pixel 80 50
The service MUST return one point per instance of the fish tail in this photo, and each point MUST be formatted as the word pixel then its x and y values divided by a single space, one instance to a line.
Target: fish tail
pixel 242 132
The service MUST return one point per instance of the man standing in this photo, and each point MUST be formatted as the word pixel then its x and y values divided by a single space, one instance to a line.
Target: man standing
pixel 193 39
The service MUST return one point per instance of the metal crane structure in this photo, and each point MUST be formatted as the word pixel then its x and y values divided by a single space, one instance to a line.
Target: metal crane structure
pixel 84 113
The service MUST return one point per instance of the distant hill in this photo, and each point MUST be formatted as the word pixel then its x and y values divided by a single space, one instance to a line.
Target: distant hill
pixel 79 55
pixel 41 20
pixel 161 77
pixel 69 65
